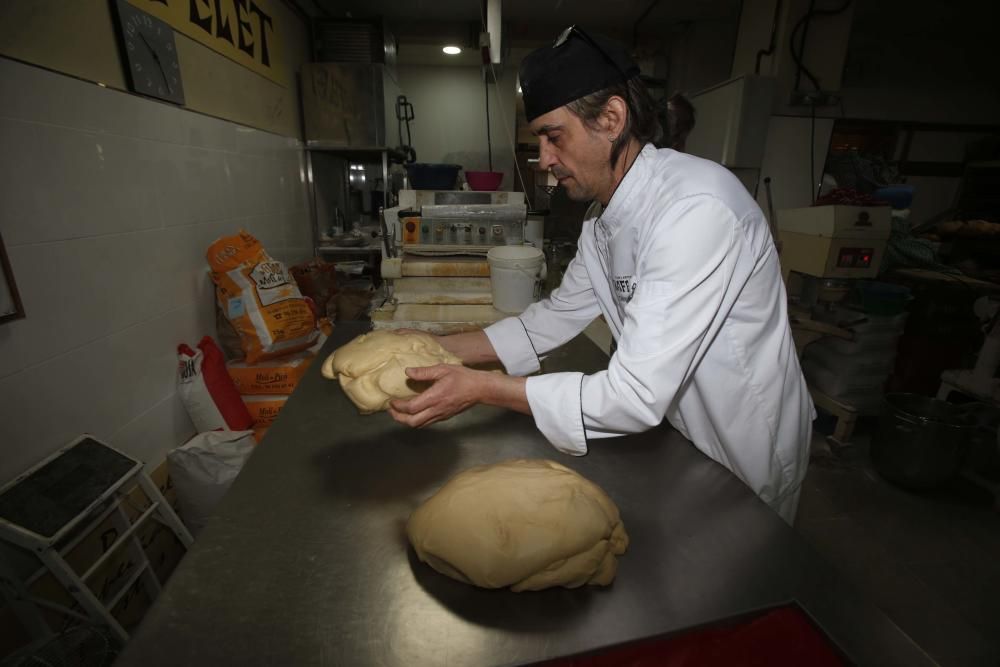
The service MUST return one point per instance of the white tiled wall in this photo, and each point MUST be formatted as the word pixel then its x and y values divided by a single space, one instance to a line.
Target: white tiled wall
pixel 107 204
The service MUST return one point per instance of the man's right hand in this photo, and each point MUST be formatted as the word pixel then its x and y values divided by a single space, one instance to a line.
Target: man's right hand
pixel 455 389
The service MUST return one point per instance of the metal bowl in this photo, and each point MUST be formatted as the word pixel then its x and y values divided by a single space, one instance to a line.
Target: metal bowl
pixel 921 442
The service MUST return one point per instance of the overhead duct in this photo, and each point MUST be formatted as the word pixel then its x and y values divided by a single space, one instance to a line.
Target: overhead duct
pixel 366 41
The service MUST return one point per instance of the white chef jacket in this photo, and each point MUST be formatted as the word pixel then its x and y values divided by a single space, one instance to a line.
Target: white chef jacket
pixel 682 266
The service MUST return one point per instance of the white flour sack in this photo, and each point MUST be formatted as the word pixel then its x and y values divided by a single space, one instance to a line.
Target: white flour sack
pixel 206 390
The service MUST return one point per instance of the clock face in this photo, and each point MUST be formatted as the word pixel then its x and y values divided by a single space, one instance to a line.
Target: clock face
pixel 150 54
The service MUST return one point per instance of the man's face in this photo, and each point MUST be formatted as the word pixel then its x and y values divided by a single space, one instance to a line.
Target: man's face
pixel 577 155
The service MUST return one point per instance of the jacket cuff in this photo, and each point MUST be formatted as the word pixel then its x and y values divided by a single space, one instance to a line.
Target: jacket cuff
pixel 511 342
pixel 555 404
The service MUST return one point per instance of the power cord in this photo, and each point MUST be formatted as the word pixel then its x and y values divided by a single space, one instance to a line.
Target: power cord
pixel 773 42
pixel 803 24
pixel 812 154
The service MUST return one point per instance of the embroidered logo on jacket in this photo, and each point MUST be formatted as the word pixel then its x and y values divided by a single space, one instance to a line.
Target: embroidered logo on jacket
pixel 624 287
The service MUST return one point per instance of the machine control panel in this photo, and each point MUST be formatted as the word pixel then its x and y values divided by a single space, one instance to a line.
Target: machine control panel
pixel 424 232
pixel 467 225
pixel 429 219
pixel 855 258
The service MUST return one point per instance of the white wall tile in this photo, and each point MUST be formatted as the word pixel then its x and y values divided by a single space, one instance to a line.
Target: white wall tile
pixel 78 291
pixel 207 132
pixel 192 185
pixel 152 434
pixel 298 233
pixel 108 202
pixel 137 117
pixel 242 170
pixel 255 142
pixel 59 183
pixel 37 95
pixel 268 229
pixel 294 197
pixel 97 388
pixel 270 182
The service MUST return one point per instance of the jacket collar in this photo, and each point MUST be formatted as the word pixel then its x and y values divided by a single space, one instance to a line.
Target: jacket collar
pixel 623 201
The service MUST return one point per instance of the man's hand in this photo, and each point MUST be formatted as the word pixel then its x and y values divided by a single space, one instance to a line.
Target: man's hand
pixel 454 389
pixel 472 348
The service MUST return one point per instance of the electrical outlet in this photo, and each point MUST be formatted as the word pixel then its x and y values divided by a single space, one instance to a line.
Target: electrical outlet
pixel 814 98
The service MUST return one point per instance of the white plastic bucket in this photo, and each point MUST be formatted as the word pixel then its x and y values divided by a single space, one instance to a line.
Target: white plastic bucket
pixel 516 273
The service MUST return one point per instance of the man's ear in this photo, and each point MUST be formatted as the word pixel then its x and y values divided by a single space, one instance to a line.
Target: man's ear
pixel 614 116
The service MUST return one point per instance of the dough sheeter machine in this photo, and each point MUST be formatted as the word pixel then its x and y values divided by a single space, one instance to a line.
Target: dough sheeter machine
pixel 824 251
pixel 434 259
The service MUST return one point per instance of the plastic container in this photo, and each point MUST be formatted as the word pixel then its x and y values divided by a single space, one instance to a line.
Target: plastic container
pixel 884 341
pixel 880 324
pixel 921 442
pixel 484 180
pixel 841 384
pixel 897 196
pixel 425 176
pixel 516 273
pixel 870 363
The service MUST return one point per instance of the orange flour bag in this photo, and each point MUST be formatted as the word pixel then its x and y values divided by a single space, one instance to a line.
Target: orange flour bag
pixel 264 409
pixel 260 299
pixel 279 376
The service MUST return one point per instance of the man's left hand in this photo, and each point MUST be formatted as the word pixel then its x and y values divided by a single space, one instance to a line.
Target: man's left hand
pixel 454 389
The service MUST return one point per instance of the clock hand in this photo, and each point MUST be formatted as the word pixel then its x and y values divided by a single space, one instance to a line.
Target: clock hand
pixel 156 59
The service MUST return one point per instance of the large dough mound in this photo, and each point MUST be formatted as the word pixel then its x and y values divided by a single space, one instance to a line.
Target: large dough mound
pixel 372 367
pixel 527 524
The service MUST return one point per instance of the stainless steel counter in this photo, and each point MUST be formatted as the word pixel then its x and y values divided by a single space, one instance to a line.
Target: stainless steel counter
pixel 307 562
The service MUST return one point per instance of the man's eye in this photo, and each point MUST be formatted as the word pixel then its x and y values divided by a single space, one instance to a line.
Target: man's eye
pixel 554 139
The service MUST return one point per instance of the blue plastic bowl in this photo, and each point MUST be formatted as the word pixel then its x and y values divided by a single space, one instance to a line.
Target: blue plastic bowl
pixel 898 196
pixel 425 176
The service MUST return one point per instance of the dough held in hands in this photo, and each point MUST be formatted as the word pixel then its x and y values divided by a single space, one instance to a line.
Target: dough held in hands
pixel 372 367
pixel 527 524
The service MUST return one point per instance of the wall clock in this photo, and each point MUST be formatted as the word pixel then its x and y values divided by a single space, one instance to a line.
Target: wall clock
pixel 150 53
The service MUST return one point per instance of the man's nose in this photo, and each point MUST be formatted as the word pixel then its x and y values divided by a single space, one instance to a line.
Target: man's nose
pixel 545 157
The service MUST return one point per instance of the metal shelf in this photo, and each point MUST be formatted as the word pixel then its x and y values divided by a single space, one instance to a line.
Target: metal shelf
pixel 360 154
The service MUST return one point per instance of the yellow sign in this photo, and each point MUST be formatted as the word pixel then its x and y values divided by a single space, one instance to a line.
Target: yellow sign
pixel 241 30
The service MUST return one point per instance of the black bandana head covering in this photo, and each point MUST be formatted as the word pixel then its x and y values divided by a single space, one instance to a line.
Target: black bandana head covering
pixel 577 64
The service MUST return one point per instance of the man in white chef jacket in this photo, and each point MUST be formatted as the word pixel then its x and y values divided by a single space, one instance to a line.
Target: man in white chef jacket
pixel 678 258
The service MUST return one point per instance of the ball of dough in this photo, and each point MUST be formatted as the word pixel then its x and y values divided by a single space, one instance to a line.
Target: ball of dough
pixel 372 367
pixel 527 524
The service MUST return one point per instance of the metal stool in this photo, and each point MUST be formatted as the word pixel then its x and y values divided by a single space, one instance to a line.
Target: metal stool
pixel 51 508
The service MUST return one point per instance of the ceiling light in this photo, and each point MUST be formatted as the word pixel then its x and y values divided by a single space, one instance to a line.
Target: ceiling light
pixel 452 50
